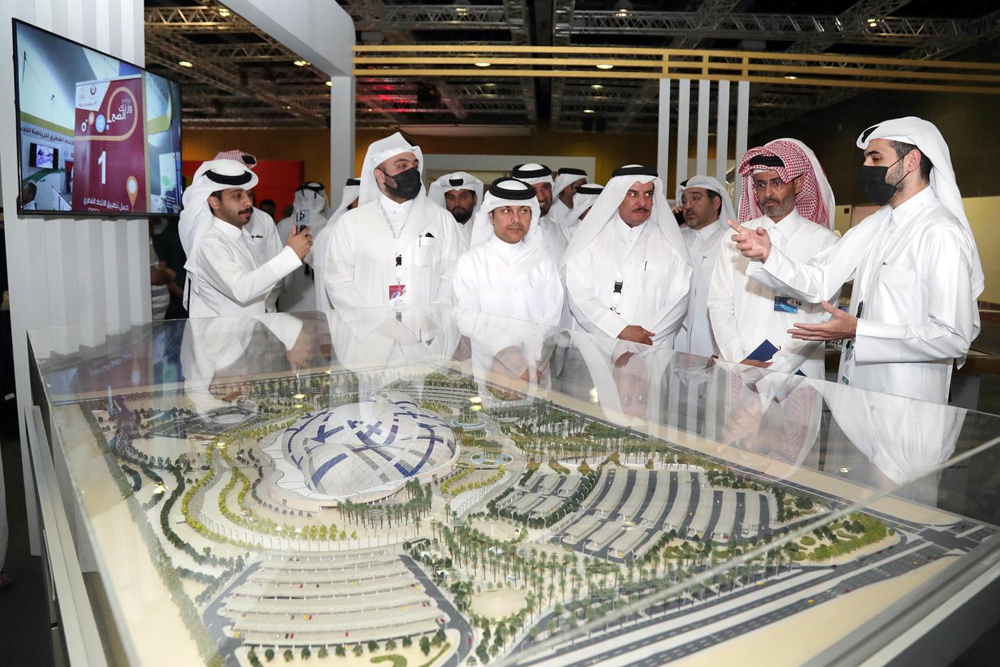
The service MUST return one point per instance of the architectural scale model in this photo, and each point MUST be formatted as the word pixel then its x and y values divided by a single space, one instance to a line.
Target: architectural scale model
pixel 420 526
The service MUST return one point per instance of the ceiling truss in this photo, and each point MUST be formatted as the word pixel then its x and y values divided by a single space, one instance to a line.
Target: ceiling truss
pixel 241 77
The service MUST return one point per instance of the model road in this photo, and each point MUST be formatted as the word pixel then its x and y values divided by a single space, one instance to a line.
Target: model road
pixel 216 622
pixel 455 619
pixel 892 565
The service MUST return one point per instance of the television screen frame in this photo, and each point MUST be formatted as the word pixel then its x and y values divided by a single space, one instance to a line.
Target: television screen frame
pixel 42 213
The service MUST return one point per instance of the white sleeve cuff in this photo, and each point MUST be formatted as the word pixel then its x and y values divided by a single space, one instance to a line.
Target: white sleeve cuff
pixel 284 262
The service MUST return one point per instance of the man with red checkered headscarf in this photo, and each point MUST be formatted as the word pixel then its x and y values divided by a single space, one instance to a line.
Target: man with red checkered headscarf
pixel 787 194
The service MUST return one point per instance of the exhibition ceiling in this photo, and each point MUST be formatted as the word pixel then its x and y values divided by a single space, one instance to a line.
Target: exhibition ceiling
pixel 237 76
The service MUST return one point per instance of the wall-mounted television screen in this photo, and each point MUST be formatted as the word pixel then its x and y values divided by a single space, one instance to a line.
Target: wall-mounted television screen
pixel 97 135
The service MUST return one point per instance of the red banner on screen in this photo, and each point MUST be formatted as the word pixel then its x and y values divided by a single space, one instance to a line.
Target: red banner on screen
pixel 109 140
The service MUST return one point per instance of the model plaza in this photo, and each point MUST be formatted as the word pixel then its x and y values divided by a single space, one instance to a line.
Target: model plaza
pixel 309 522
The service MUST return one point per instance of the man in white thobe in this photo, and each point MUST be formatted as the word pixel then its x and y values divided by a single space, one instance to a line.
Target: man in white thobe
pixel 263 232
pixel 627 271
pixel 914 263
pixel 310 209
pixel 540 177
pixel 705 205
pixel 788 195
pixel 460 194
pixel 508 272
pixel 321 242
pixel 224 275
pixel 397 247
pixel 563 190
pixel 583 201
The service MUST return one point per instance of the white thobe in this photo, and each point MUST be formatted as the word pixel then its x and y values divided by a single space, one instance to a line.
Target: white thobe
pixel 695 336
pixel 554 238
pixel 914 274
pixel 266 244
pixel 465 231
pixel 361 260
pixel 655 279
pixel 229 279
pixel 559 211
pixel 742 310
pixel 298 290
pixel 487 280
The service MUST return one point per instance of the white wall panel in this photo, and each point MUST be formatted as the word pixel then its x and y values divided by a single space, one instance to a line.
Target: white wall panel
pixel 65 271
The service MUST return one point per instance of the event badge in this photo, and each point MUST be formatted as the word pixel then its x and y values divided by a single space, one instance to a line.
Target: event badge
pixel 786 304
pixel 396 294
pixel 847 367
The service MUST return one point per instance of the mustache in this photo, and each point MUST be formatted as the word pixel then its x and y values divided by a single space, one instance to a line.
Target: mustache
pixel 641 209
pixel 248 210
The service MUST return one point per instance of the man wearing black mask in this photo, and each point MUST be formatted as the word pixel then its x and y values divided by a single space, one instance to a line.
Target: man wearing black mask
pixel 397 247
pixel 914 264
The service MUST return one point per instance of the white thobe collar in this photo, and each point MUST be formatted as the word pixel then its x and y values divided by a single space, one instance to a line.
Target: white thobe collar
pixel 706 232
pixel 230 231
pixel 909 209
pixel 787 226
pixel 507 251
pixel 396 213
pixel 629 234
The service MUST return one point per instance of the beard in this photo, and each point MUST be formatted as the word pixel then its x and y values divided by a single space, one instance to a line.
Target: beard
pixel 462 215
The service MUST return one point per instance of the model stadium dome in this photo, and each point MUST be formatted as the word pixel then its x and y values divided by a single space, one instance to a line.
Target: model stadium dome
pixel 368 450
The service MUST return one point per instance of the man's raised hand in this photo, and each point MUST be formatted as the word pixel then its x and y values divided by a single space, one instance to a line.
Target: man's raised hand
pixel 300 240
pixel 753 244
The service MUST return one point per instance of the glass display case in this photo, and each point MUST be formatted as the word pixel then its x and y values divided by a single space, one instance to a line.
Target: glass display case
pixel 440 487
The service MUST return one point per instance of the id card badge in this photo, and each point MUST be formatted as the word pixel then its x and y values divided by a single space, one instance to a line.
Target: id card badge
pixel 397 294
pixel 847 363
pixel 786 304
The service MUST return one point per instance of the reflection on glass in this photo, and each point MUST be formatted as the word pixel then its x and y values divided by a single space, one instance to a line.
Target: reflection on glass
pixel 380 482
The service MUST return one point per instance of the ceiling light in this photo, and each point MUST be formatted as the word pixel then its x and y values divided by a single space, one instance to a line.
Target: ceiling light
pixel 301 63
pixel 588 111
pixel 224 12
pixel 186 63
pixel 461 10
pixel 490 85
pixel 791 77
pixel 482 64
pixel 605 66
pixel 596 86
pixel 329 84
pixel 873 21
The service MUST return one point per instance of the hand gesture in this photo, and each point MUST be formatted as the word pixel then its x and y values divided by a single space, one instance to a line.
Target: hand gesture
pixel 636 334
pixel 753 243
pixel 300 240
pixel 841 325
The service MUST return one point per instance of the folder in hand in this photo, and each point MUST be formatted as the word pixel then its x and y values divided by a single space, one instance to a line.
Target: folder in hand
pixel 765 351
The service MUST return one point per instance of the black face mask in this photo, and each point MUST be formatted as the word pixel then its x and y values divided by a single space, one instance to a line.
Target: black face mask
pixel 408 183
pixel 873 183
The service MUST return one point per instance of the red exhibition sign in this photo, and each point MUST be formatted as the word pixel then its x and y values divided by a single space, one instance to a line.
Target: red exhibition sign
pixel 110 145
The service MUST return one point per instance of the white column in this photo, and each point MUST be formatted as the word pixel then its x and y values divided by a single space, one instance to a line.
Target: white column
pixel 663 132
pixel 341 132
pixel 683 122
pixel 722 133
pixel 704 105
pixel 742 122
